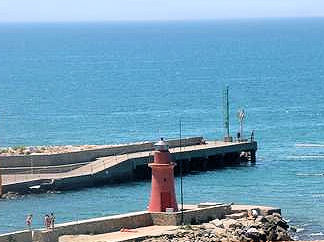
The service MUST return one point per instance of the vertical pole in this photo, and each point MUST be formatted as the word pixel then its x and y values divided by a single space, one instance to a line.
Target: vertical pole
pixel 181 167
pixel 241 129
pixel 241 116
pixel 226 115
pixel 31 164
pixel 0 185
pixel 253 156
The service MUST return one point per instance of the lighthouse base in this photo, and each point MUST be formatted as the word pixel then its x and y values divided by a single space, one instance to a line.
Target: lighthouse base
pixel 163 198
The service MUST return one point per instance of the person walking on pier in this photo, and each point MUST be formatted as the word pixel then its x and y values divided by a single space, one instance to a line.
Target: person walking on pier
pixel 29 221
pixel 52 221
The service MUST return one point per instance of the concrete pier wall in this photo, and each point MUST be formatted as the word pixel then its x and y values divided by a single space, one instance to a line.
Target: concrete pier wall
pixel 95 226
pixel 121 172
pixel 193 214
pixel 114 223
pixel 86 155
pixel 19 236
pixel 22 187
pixel 134 166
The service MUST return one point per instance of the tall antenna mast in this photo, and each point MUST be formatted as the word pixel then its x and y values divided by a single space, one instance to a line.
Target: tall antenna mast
pixel 227 137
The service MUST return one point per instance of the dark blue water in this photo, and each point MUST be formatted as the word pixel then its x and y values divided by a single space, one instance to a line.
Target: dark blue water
pixel 121 82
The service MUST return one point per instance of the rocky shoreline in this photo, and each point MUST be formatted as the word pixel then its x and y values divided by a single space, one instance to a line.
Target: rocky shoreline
pixel 236 227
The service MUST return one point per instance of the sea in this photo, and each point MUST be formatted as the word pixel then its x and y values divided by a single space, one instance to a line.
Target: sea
pixel 122 82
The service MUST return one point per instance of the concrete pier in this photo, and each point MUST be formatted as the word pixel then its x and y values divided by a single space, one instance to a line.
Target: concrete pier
pixel 196 155
pixel 144 223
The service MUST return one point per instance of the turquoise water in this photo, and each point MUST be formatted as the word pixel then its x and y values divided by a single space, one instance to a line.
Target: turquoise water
pixel 120 82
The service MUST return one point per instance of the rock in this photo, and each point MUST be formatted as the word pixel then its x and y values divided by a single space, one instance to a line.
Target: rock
pixel 217 223
pixel 244 238
pixel 278 215
pixel 255 234
pixel 293 229
pixel 262 228
pixel 231 223
pixel 283 224
pixel 208 226
pixel 261 219
pixel 219 231
pixel 236 215
pixel 283 236
pixel 252 231
pixel 10 195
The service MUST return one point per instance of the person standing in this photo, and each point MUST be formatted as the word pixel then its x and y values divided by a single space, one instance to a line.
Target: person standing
pixel 29 221
pixel 52 220
pixel 252 136
pixel 47 221
pixel 238 136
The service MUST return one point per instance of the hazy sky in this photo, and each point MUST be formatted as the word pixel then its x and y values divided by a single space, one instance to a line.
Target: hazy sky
pixel 102 10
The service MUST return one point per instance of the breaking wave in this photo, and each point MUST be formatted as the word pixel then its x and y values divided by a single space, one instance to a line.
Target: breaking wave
pixel 317 234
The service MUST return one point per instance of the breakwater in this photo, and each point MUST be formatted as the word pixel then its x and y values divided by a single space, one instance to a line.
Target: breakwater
pixel 223 214
pixel 194 155
pixel 11 163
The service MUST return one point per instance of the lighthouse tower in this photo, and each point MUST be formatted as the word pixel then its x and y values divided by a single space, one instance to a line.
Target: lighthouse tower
pixel 163 192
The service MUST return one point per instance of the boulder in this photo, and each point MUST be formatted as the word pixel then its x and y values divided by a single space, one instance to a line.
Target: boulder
pixel 261 219
pixel 283 236
pixel 231 223
pixel 283 224
pixel 217 223
pixel 219 231
pixel 278 215
pixel 236 215
pixel 208 226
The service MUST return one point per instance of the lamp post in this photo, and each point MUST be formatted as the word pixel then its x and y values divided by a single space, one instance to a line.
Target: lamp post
pixel 227 137
pixel 241 116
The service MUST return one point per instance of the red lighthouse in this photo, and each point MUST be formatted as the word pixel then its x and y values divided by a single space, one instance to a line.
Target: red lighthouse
pixel 163 192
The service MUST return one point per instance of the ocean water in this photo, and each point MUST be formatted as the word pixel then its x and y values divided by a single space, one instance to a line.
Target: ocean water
pixel 103 83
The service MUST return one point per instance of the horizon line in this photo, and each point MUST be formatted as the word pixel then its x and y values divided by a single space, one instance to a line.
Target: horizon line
pixel 164 20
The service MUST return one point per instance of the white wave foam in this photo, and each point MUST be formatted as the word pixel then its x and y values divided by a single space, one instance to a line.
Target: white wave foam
pixel 298 230
pixel 318 195
pixel 310 174
pixel 317 234
pixel 309 145
pixel 303 157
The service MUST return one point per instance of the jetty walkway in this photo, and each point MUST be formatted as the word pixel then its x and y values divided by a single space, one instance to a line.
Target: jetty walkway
pixel 195 156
